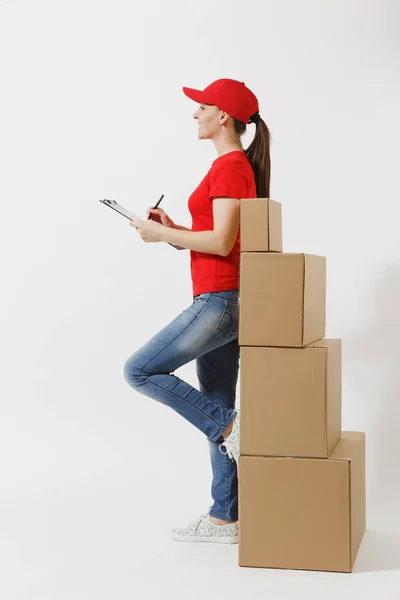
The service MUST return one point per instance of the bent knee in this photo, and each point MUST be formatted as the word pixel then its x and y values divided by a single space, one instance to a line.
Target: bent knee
pixel 132 372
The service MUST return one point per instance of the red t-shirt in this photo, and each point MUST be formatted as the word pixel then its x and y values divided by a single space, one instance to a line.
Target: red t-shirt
pixel 231 176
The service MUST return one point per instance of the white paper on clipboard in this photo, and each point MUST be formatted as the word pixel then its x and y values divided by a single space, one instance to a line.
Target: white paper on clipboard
pixel 121 210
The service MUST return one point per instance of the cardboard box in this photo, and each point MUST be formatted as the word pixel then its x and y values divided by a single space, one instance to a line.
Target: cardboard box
pixel 291 399
pixel 260 225
pixel 303 513
pixel 282 299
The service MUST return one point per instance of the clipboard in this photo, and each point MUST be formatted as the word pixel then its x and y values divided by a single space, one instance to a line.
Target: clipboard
pixel 130 215
pixel 120 209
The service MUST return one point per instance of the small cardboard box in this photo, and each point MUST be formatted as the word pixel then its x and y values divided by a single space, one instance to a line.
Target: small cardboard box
pixel 291 399
pixel 260 225
pixel 303 513
pixel 282 299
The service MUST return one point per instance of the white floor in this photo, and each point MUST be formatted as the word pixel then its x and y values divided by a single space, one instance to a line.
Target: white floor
pixel 90 489
pixel 102 541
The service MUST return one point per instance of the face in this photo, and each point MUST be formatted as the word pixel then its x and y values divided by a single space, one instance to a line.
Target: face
pixel 208 120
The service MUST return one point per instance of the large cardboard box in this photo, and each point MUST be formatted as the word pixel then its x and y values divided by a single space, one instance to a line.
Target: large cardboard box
pixel 282 299
pixel 291 399
pixel 303 513
pixel 260 225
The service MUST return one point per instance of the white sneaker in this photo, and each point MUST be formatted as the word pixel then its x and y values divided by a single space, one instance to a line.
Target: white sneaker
pixel 202 530
pixel 231 443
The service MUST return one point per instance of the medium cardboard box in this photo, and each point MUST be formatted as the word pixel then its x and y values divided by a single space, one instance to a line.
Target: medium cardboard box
pixel 303 513
pixel 260 225
pixel 291 399
pixel 282 299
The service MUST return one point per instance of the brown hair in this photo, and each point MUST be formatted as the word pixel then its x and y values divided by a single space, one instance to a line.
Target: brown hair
pixel 258 154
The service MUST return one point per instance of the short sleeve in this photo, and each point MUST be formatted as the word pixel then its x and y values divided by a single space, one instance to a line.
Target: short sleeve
pixel 228 180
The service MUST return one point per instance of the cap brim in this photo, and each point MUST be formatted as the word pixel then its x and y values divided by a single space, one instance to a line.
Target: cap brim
pixel 196 95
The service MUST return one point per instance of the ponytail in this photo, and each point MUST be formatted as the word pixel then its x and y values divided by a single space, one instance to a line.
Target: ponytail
pixel 258 154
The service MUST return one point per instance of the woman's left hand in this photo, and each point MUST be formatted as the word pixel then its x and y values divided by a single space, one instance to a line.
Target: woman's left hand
pixel 149 230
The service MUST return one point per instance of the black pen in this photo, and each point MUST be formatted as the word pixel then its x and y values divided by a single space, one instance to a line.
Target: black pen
pixel 162 196
pixel 150 215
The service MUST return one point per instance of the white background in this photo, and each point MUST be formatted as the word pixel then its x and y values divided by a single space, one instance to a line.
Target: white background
pixel 93 476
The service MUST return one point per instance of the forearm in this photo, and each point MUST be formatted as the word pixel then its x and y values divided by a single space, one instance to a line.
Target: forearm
pixel 175 226
pixel 201 241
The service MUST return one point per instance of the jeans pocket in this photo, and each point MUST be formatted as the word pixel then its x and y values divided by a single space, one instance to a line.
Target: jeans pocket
pixel 228 321
pixel 231 295
pixel 203 297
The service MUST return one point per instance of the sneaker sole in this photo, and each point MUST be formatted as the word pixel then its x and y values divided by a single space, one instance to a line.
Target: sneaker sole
pixel 199 538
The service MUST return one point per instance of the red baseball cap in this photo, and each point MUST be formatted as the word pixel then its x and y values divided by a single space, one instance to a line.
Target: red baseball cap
pixel 230 96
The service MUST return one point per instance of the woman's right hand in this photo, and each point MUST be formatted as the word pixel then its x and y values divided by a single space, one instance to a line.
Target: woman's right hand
pixel 159 216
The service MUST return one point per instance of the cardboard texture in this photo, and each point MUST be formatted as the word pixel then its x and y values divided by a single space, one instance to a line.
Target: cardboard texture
pixel 301 480
pixel 291 399
pixel 260 225
pixel 303 513
pixel 282 299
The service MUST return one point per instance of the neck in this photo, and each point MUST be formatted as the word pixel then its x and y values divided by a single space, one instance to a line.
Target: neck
pixel 226 150
pixel 223 145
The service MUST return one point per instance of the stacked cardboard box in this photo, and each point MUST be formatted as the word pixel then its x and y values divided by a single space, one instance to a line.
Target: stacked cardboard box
pixel 301 479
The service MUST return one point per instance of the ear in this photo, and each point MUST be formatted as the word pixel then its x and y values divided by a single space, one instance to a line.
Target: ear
pixel 223 117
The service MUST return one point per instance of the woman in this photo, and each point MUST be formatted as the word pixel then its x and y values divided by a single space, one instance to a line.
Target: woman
pixel 207 330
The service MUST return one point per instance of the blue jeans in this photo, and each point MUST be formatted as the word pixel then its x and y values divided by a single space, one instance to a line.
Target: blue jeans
pixel 206 331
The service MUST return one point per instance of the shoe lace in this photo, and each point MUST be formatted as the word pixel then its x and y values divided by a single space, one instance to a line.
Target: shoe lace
pixel 198 521
pixel 228 450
